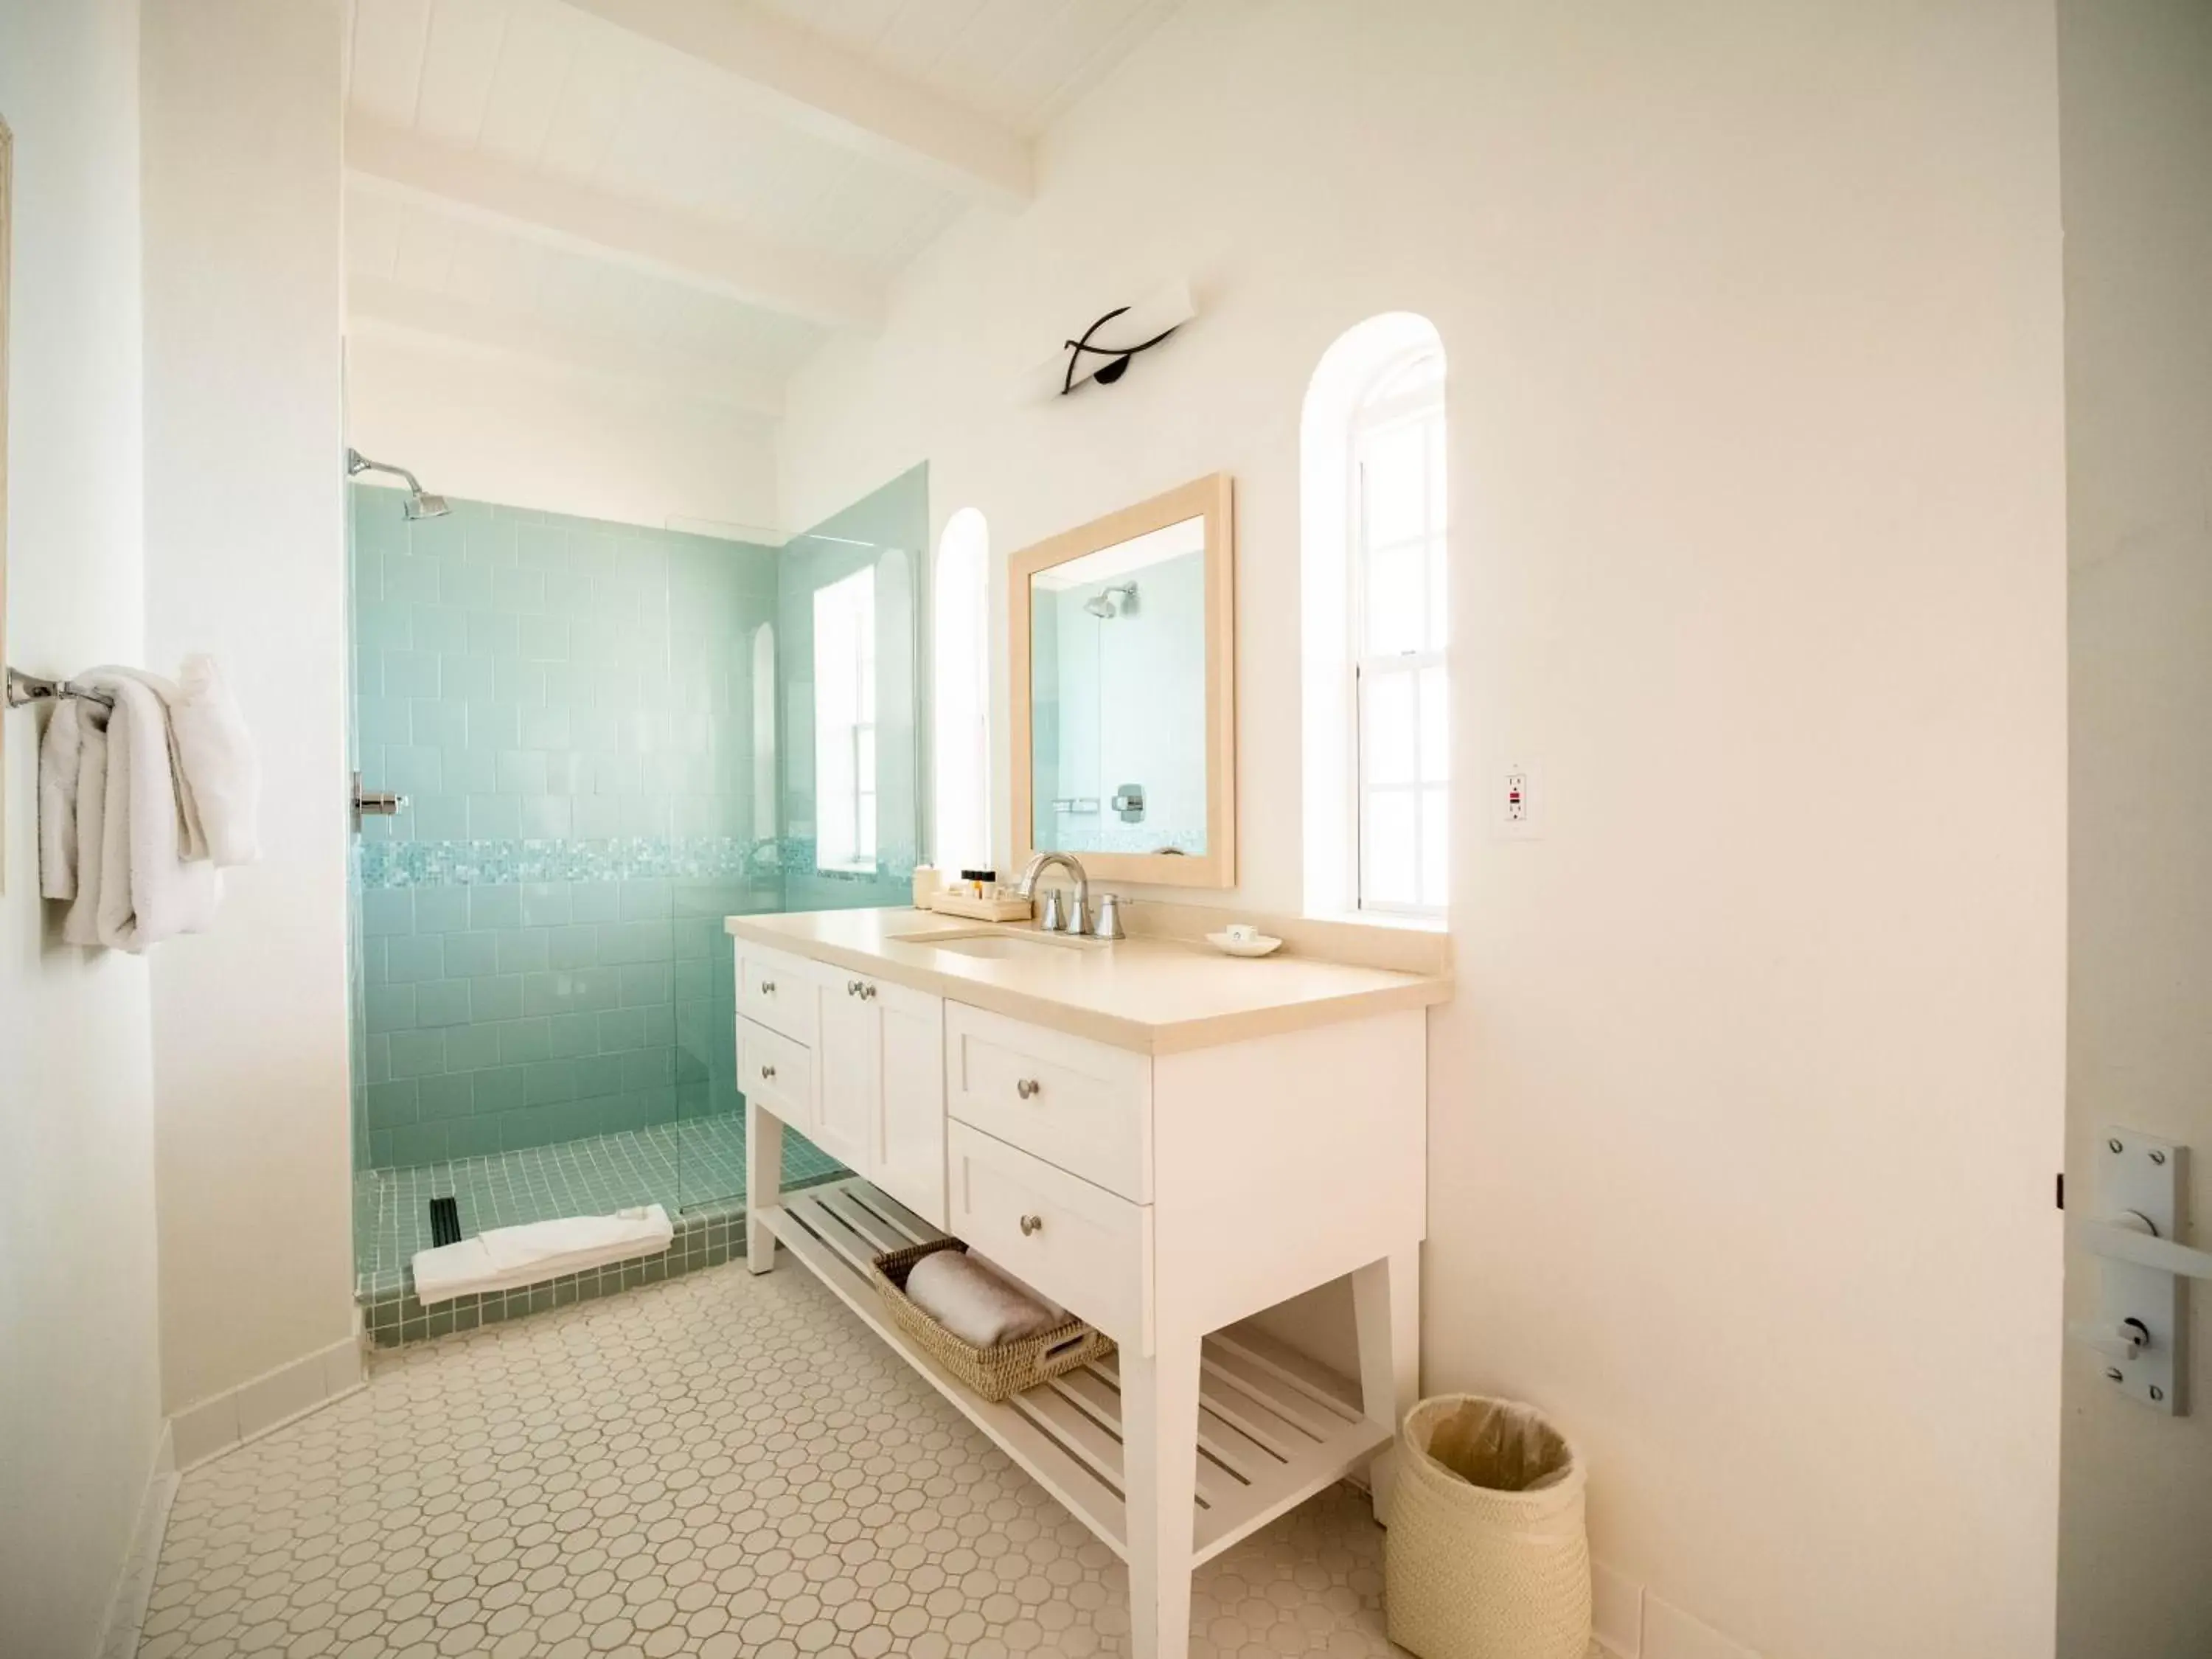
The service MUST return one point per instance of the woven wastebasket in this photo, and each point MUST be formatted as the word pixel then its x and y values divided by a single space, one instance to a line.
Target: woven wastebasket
pixel 1486 1556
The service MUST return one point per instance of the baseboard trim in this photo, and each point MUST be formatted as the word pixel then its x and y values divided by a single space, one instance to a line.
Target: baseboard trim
pixel 134 1587
pixel 210 1427
pixel 1631 1622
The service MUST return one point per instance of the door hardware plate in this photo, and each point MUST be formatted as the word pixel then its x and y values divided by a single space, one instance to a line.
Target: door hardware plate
pixel 2146 1175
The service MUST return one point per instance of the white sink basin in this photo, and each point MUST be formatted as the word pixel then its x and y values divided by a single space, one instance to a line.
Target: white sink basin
pixel 1000 944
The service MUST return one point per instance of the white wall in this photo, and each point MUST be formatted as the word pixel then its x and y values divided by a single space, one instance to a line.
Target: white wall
pixel 1744 1118
pixel 80 1384
pixel 494 430
pixel 245 558
pixel 2137 116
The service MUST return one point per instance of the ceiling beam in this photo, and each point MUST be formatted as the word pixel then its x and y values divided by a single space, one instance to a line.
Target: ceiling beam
pixel 378 306
pixel 829 92
pixel 686 247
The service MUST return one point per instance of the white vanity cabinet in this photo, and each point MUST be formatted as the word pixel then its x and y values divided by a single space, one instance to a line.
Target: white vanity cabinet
pixel 1251 1135
pixel 854 1063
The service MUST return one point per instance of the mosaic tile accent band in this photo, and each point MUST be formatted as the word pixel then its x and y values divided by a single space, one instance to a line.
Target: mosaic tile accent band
pixel 382 865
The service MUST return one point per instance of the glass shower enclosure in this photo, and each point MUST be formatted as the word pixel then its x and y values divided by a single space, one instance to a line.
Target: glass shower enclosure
pixel 609 738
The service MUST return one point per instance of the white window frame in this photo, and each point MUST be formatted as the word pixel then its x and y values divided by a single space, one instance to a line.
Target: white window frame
pixel 1364 666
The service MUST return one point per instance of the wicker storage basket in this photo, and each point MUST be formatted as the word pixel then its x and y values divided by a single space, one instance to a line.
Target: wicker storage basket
pixel 1486 1556
pixel 994 1373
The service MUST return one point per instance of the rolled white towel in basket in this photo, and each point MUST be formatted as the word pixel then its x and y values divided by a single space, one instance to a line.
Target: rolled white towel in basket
pixel 975 1304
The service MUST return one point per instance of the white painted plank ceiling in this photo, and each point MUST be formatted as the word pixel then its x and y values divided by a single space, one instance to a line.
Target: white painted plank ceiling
pixel 547 88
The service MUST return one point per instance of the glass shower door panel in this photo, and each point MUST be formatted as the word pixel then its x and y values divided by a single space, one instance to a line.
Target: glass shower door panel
pixel 809 665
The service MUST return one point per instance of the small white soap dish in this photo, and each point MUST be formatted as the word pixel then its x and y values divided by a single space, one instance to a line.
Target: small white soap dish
pixel 1258 945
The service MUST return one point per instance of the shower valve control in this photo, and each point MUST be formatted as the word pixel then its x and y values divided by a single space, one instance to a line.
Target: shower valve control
pixel 374 803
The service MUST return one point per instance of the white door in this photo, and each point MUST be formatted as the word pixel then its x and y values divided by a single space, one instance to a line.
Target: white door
pixel 2134 1575
pixel 848 1063
pixel 910 1147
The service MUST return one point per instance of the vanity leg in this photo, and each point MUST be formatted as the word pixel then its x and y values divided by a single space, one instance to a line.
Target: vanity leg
pixel 1386 1303
pixel 1159 1438
pixel 763 1183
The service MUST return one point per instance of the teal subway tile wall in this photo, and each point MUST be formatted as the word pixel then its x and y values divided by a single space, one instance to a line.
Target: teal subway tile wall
pixel 567 706
pixel 605 735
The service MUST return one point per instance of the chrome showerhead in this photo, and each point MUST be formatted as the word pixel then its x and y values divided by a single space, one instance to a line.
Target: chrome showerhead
pixel 1102 604
pixel 417 505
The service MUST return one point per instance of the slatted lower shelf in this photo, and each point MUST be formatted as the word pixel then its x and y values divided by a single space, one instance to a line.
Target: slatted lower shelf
pixel 1273 1430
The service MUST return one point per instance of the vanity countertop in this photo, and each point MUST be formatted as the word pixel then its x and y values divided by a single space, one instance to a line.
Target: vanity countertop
pixel 1156 995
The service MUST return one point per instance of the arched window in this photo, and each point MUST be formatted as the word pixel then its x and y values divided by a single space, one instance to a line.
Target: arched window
pixel 1377 738
pixel 961 663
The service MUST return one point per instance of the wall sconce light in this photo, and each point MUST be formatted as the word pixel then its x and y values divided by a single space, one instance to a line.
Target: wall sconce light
pixel 1103 351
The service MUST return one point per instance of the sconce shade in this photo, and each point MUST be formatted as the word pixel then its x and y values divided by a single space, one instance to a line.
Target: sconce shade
pixel 1102 352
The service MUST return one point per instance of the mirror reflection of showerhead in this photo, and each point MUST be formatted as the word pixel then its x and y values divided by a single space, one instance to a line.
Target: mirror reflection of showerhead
pixel 418 504
pixel 1103 606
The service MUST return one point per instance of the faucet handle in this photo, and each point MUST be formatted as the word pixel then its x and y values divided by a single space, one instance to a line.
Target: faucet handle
pixel 1108 922
pixel 1054 919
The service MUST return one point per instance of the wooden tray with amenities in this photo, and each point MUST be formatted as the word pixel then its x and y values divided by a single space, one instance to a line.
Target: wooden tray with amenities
pixel 981 909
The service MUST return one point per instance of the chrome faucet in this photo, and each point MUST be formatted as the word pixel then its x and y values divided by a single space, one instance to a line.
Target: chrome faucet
pixel 1078 921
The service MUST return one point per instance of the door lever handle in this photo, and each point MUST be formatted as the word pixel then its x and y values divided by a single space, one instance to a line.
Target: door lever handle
pixel 2128 1237
pixel 2121 1342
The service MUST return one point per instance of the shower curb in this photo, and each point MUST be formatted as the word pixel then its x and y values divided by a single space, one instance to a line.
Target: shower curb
pixel 705 1237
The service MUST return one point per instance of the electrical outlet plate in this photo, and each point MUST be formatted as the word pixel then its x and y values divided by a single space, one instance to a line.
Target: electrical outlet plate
pixel 2146 1175
pixel 1516 813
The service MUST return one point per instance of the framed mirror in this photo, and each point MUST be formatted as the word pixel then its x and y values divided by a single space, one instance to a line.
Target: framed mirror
pixel 1123 691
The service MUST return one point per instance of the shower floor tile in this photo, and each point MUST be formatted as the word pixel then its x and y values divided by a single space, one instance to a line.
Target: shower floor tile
pixel 719 1466
pixel 696 1166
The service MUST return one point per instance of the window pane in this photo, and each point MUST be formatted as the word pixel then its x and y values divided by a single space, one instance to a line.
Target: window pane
pixel 1435 728
pixel 1387 851
pixel 1386 733
pixel 844 702
pixel 1397 603
pixel 1425 370
pixel 1396 485
pixel 1435 850
pixel 1433 428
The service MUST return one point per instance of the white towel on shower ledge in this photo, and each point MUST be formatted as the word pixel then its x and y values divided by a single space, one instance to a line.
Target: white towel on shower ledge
pixel 508 1258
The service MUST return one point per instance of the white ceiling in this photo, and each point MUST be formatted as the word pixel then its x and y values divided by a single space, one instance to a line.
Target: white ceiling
pixel 629 183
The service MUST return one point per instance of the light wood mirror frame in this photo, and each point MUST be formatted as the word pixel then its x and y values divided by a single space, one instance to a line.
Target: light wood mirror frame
pixel 1211 499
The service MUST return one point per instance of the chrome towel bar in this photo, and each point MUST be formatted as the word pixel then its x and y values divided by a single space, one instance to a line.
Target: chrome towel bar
pixel 31 688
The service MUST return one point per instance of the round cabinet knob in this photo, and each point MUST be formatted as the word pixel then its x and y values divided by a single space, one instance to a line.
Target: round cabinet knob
pixel 1028 1088
pixel 868 992
pixel 852 987
pixel 768 987
pixel 767 1072
pixel 1032 1223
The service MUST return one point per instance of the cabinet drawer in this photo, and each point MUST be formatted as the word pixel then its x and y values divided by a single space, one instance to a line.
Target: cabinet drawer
pixel 778 991
pixel 1081 1105
pixel 1085 1248
pixel 776 1072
